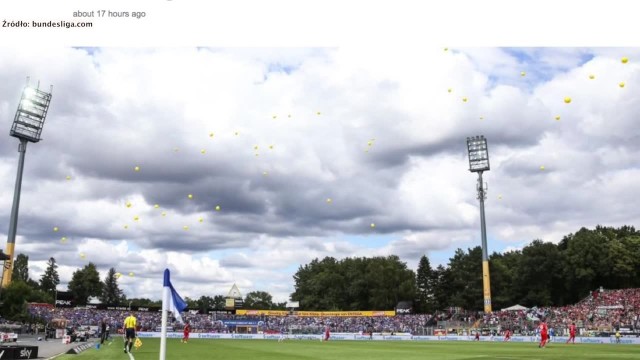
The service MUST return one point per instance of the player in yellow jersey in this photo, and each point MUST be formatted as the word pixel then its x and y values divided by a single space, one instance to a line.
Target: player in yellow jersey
pixel 130 323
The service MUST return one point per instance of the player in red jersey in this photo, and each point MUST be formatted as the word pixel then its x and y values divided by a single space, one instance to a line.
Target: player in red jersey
pixel 477 338
pixel 327 333
pixel 572 333
pixel 186 331
pixel 544 334
pixel 507 335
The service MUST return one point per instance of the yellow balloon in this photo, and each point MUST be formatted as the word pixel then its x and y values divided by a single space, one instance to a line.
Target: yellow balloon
pixel 190 196
pixel 542 167
pixel 557 117
pixel 373 225
pixel 217 207
pixel 625 60
pixel 567 100
pixel 446 49
pixel 591 76
pixel 164 213
pixel 255 147
pixel 621 84
pixel 318 113
pixel 265 173
pixel 499 197
pixel 211 134
pixel 481 117
pixel 63 240
pixel 270 147
pixel 137 168
pixel 237 133
pixel 289 115
pixel 68 177
pixel 329 200
pixel 176 149
pixel 370 143
pixel 130 274
pixel 449 90
pixel 118 275
pixel 464 99
pixel 523 73
pixel 156 206
pixel 274 116
pixel 126 226
pixel 136 218
pixel 129 204
pixel 200 219
pixel 203 151
pixel 185 227
pixel 82 255
pixel 55 228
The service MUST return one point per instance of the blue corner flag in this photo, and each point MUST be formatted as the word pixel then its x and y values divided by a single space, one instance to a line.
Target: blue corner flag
pixel 175 303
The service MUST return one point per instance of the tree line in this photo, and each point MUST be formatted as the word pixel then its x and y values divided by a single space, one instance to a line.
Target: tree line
pixel 85 283
pixel 541 274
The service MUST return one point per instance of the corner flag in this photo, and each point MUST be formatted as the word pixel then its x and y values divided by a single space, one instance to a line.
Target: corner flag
pixel 171 301
pixel 175 303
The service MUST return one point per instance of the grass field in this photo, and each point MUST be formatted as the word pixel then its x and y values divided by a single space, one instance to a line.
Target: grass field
pixel 358 350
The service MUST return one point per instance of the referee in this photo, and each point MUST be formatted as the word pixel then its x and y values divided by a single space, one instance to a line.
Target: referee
pixel 130 332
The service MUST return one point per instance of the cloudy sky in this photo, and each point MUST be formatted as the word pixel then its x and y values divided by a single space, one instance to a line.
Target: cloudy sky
pixel 310 152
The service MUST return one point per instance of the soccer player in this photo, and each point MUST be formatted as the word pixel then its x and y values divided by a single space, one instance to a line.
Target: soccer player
pixel 544 335
pixel 477 338
pixel 327 333
pixel 507 335
pixel 283 336
pixel 572 333
pixel 618 336
pixel 129 332
pixel 103 331
pixel 185 332
pixel 552 334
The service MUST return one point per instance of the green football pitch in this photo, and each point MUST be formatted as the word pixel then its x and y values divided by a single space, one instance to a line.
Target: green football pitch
pixel 357 350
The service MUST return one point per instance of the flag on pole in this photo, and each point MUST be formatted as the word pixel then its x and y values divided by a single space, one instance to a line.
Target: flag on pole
pixel 175 304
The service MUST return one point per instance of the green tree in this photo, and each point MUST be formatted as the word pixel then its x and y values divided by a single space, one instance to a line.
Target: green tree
pixel 111 293
pixel 85 282
pixel 539 276
pixel 205 303
pixel 14 300
pixel 424 285
pixel 442 288
pixel 219 302
pixel 50 279
pixel 21 268
pixel 466 279
pixel 353 284
pixel 258 300
pixel 586 263
pixel 503 268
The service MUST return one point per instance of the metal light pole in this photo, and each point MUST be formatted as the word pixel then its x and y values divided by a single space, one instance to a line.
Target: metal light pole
pixel 479 162
pixel 27 127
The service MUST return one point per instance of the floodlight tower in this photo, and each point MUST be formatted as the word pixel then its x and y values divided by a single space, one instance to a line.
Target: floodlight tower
pixel 479 162
pixel 27 127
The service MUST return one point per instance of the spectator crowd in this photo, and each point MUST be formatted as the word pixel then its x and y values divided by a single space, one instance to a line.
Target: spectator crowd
pixel 602 310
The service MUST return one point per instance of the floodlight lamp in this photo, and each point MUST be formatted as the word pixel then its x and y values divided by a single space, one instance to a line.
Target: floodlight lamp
pixel 478 154
pixel 31 113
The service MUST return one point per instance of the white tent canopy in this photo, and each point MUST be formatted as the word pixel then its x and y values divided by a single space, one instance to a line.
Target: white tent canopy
pixel 515 308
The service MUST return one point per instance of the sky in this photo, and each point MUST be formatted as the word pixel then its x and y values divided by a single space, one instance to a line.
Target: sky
pixel 240 164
